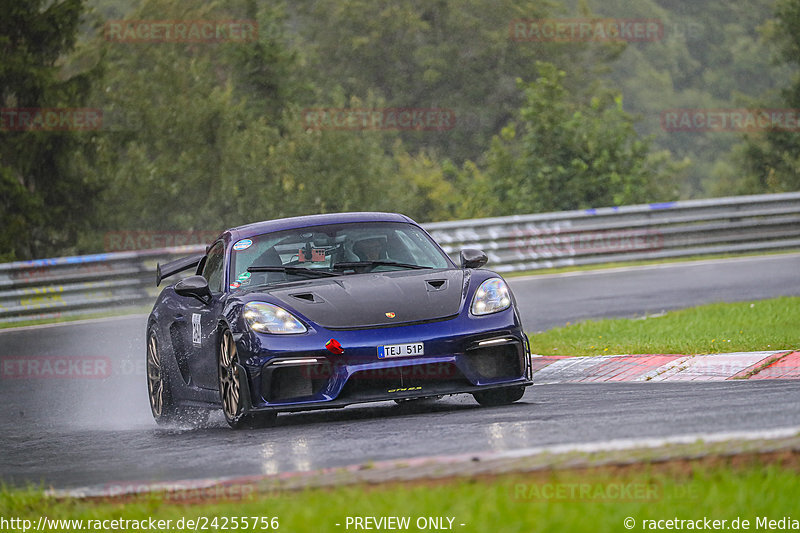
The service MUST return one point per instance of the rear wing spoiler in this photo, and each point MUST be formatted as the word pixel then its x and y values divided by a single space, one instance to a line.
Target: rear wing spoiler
pixel 179 265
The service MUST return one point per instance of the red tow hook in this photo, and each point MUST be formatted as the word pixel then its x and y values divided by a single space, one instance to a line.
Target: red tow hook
pixel 334 347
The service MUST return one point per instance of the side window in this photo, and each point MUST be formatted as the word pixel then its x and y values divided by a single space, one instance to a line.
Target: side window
pixel 213 268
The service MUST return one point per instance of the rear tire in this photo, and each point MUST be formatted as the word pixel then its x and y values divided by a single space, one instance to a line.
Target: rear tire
pixel 158 389
pixel 230 388
pixel 495 397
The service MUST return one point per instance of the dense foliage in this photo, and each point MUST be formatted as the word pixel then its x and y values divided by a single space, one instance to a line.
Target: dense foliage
pixel 772 159
pixel 41 190
pixel 206 135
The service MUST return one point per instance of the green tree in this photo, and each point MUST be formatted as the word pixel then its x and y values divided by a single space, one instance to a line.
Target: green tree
pixel 218 137
pixel 45 200
pixel 772 158
pixel 563 154
pixel 458 55
pixel 711 56
pixel 188 108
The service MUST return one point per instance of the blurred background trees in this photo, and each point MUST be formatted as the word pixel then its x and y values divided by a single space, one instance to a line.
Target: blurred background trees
pixel 42 192
pixel 772 159
pixel 204 136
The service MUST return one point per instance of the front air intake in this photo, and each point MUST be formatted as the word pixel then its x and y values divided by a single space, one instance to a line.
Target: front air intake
pixel 501 361
pixel 288 382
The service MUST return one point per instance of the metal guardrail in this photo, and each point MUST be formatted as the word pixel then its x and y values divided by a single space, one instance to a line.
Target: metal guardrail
pixel 48 288
pixel 51 288
pixel 629 233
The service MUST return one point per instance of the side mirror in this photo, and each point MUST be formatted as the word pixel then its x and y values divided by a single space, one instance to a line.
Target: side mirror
pixel 472 258
pixel 195 286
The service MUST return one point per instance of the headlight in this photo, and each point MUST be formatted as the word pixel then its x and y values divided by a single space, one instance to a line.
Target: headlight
pixel 268 318
pixel 491 297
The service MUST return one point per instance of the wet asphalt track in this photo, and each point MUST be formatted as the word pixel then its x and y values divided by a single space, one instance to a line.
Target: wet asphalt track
pixel 77 432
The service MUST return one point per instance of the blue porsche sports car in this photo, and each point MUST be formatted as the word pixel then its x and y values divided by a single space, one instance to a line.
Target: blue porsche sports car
pixel 324 311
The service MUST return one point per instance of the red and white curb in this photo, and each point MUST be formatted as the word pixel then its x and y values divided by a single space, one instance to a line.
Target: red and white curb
pixel 666 367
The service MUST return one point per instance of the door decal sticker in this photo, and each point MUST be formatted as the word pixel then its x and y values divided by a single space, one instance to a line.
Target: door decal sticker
pixel 196 331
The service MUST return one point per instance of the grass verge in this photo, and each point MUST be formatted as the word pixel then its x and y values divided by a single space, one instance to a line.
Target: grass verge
pixel 714 328
pixel 555 500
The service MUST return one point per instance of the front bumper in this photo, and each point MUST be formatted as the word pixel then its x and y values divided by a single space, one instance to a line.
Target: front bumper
pixel 298 373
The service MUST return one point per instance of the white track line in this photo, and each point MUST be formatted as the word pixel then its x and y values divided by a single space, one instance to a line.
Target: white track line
pixel 469 458
pixel 630 444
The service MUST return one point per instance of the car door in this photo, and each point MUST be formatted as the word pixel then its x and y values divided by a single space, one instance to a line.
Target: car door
pixel 202 319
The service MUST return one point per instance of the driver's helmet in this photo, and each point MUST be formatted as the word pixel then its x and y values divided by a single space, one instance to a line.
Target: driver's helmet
pixel 370 248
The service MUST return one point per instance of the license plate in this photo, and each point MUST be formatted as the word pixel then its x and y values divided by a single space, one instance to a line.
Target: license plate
pixel 400 350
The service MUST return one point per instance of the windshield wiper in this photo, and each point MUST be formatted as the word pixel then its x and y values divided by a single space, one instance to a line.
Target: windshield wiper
pixel 357 264
pixel 300 271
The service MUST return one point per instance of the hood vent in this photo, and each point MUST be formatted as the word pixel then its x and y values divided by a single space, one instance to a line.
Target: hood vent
pixel 308 297
pixel 436 284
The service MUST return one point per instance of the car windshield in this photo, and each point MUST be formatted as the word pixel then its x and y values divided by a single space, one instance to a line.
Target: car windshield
pixel 334 249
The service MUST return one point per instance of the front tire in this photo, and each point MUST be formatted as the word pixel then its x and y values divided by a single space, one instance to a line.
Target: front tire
pixel 230 388
pixel 495 397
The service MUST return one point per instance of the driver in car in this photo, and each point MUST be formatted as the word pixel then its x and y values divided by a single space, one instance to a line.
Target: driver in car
pixel 371 249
